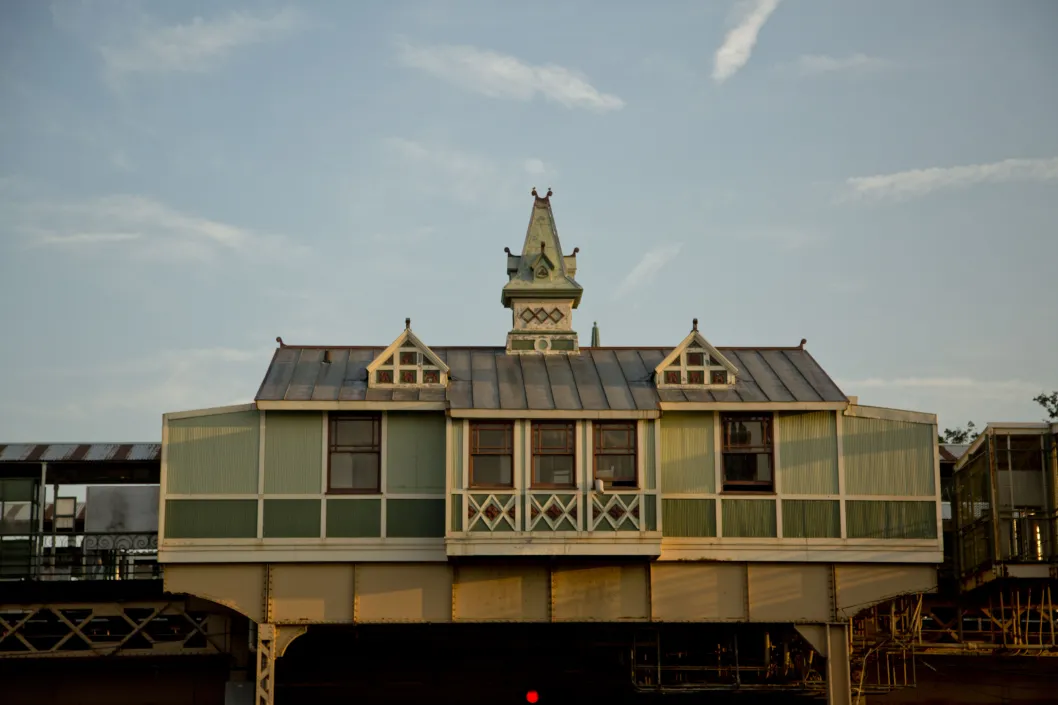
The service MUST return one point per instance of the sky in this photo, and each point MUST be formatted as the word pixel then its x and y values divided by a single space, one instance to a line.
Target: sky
pixel 180 183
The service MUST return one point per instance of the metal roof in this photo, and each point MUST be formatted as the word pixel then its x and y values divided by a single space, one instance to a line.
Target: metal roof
pixel 951 452
pixel 601 378
pixel 80 452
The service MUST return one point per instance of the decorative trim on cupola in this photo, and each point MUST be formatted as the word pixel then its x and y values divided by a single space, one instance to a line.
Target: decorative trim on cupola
pixel 695 364
pixel 407 362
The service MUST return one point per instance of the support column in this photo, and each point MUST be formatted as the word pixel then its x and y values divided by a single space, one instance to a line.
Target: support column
pixel 266 664
pixel 839 681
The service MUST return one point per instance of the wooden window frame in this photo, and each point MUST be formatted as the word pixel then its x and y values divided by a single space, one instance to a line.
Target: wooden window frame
pixel 333 448
pixel 597 429
pixel 768 449
pixel 570 450
pixel 476 426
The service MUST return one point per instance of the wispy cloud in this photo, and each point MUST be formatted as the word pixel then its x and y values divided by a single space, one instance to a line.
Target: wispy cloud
pixel 138 226
pixel 816 64
pixel 467 176
pixel 196 46
pixel 649 266
pixel 920 182
pixel 739 42
pixel 502 76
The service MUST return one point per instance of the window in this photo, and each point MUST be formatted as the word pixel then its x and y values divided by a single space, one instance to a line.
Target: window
pixel 615 454
pixel 355 448
pixel 492 454
pixel 747 453
pixel 408 366
pixel 695 367
pixel 554 454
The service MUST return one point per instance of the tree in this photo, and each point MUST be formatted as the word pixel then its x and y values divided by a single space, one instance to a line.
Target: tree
pixel 1049 402
pixel 959 435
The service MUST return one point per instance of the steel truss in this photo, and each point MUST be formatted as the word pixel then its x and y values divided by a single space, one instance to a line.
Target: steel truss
pixel 158 628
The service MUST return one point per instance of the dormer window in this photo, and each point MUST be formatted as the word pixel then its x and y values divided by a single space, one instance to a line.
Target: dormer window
pixel 407 362
pixel 695 363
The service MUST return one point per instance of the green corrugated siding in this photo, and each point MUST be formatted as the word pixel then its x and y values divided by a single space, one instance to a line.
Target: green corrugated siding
pixel 751 518
pixel 808 452
pixel 687 454
pixel 650 511
pixel 888 457
pixel 293 462
pixel 811 519
pixel 457 512
pixel 211 518
pixel 415 452
pixel 890 520
pixel 415 518
pixel 649 456
pixel 354 518
pixel 214 454
pixel 291 518
pixel 688 517
pixel 457 453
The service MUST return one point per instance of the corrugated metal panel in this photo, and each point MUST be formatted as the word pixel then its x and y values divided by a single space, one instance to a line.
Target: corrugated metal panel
pixel 213 454
pixel 457 512
pixel 354 518
pixel 688 517
pixel 600 378
pixel 293 461
pixel 415 452
pixel 811 519
pixel 457 453
pixel 890 520
pixel 211 518
pixel 808 452
pixel 415 518
pixel 687 454
pixel 886 457
pixel 291 518
pixel 749 518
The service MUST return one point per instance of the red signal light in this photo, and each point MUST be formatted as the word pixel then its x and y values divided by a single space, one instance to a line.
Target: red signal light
pixel 532 696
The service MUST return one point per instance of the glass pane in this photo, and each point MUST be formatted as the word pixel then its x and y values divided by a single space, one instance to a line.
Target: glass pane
pixel 747 467
pixel 615 438
pixel 384 376
pixel 492 470
pixel 408 376
pixel 431 376
pixel 365 471
pixel 748 433
pixel 718 377
pixel 695 359
pixel 354 432
pixel 553 438
pixel 341 471
pixel 493 438
pixel 672 377
pixel 696 377
pixel 616 468
pixel 409 358
pixel 554 470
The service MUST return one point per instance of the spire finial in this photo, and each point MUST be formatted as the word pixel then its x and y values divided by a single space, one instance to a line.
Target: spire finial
pixel 407 324
pixel 507 250
pixel 534 193
pixel 595 340
pixel 804 342
pixel 548 192
pixel 575 251
pixel 694 327
pixel 543 247
pixel 279 340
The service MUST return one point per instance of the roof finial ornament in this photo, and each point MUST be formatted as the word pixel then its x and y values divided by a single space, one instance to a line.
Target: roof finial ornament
pixel 694 326
pixel 507 250
pixel 533 192
pixel 575 251
pixel 804 342
pixel 548 192
pixel 407 324
pixel 279 340
pixel 543 246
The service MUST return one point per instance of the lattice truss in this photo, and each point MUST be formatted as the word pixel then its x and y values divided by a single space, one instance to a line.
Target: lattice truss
pixel 1019 621
pixel 619 512
pixel 105 629
pixel 557 512
pixel 491 510
pixel 266 664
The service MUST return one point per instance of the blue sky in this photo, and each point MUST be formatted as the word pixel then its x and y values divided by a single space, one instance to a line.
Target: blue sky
pixel 182 182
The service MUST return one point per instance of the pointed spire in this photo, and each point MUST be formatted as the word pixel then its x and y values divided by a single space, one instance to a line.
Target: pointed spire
pixel 541 270
pixel 595 335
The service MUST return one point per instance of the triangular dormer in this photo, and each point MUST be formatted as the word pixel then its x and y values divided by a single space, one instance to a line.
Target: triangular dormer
pixel 695 364
pixel 407 362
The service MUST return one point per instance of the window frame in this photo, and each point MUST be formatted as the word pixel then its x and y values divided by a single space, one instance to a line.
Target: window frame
pixel 596 431
pixel 332 448
pixel 768 449
pixel 475 426
pixel 536 451
pixel 705 370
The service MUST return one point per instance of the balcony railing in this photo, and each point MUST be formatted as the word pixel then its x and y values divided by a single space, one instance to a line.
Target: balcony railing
pixel 80 556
